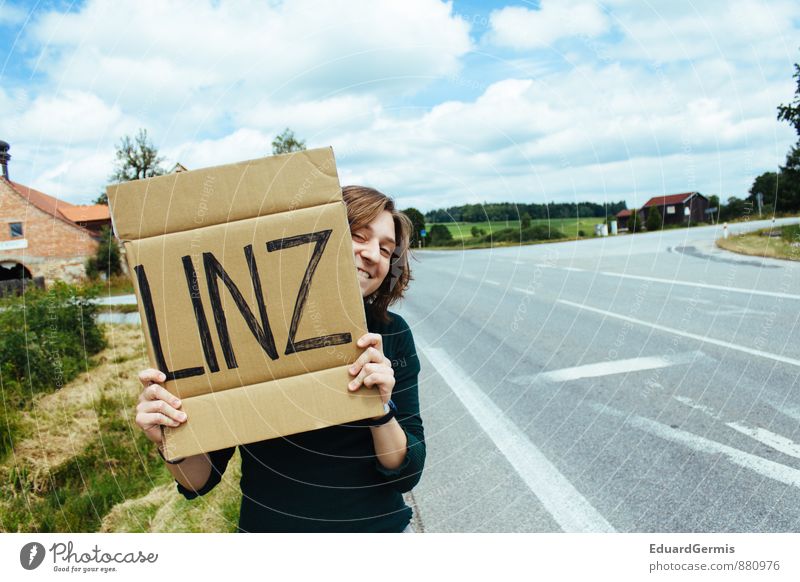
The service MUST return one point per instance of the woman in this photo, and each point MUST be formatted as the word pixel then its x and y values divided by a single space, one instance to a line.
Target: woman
pixel 350 477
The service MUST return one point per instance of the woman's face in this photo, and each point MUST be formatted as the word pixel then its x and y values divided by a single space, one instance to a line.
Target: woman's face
pixel 373 246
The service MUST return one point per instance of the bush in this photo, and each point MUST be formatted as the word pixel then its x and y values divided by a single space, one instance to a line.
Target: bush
pixel 45 339
pixel 440 235
pixel 107 259
pixel 654 221
pixel 532 233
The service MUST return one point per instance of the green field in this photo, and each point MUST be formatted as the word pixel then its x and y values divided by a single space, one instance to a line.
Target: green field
pixel 569 226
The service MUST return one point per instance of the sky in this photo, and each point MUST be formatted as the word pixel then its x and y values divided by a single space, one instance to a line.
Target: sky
pixel 435 103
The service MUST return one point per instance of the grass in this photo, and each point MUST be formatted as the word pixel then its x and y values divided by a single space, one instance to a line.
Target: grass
pixel 569 226
pixel 758 244
pixel 117 285
pixel 81 464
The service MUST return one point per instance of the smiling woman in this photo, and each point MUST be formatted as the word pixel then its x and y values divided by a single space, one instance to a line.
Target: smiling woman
pixel 345 478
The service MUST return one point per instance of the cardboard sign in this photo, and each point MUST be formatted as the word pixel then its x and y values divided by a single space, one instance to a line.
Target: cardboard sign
pixel 248 296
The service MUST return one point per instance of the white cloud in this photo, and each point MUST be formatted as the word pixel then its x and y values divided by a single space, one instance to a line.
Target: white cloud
pixel 11 15
pixel 521 28
pixel 162 54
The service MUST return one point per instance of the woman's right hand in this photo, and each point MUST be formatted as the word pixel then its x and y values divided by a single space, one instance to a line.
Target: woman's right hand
pixel 157 406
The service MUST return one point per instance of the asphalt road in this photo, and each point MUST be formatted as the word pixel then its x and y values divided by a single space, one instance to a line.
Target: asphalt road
pixel 637 383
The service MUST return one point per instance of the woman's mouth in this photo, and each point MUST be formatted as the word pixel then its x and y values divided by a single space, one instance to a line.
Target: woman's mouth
pixel 362 274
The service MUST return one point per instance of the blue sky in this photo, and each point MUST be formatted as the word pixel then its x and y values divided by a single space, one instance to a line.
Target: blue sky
pixel 435 103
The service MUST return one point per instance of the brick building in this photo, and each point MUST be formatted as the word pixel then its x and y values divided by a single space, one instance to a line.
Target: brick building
pixel 42 236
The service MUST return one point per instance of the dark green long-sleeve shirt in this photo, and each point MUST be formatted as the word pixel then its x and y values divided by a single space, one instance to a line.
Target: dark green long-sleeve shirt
pixel 330 480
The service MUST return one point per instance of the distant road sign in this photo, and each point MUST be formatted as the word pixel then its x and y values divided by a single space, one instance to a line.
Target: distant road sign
pixel 423 232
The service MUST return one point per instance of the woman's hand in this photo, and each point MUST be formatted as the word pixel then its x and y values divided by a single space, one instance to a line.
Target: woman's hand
pixel 157 406
pixel 372 368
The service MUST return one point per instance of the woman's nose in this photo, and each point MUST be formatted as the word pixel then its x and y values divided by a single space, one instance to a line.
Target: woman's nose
pixel 371 250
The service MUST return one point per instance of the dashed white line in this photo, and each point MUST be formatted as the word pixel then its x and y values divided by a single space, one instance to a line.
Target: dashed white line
pixel 692 404
pixel 677 282
pixel 566 505
pixel 716 342
pixel 764 467
pixel 610 368
pixel 762 435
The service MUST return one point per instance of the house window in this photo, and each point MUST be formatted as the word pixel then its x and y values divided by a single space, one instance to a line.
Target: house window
pixel 16 229
pixel 670 210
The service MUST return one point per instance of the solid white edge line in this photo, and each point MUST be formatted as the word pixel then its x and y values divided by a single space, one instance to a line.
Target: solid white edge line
pixel 566 505
pixel 716 342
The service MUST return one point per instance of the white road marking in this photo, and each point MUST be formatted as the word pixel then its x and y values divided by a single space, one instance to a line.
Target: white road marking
pixel 701 285
pixel 764 467
pixel 692 404
pixel 790 411
pixel 610 368
pixel 776 441
pixel 569 508
pixel 716 342
pixel 677 282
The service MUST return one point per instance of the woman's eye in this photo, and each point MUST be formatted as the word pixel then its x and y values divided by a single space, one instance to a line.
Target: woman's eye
pixel 385 252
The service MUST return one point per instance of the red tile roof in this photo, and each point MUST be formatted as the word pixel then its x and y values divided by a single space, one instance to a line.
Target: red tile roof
pixel 52 206
pixel 40 200
pixel 669 199
pixel 623 213
pixel 87 213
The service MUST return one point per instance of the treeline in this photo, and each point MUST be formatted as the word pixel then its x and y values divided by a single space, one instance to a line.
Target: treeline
pixel 517 211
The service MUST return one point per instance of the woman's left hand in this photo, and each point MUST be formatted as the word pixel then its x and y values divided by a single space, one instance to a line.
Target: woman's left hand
pixel 372 368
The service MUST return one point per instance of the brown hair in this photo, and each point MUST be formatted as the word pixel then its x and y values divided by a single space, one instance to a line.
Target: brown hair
pixel 363 206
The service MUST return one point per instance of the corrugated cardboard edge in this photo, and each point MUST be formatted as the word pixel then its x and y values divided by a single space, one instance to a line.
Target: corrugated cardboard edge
pixel 299 398
pixel 250 197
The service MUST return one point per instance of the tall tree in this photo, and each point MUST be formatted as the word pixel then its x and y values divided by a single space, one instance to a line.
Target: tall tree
pixel 418 224
pixel 286 143
pixel 791 112
pixel 789 182
pixel 136 158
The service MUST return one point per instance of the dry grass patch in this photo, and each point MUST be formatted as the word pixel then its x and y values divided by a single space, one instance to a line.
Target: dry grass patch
pixel 754 244
pixel 61 424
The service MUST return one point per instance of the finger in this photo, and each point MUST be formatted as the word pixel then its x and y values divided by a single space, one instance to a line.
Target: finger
pixel 381 381
pixel 161 406
pixel 368 369
pixel 370 355
pixel 158 392
pixel 371 339
pixel 148 376
pixel 147 420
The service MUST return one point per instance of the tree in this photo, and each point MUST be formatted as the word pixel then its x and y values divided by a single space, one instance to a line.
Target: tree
pixel 136 158
pixel 417 223
pixel 634 222
pixel 525 220
pixel 791 112
pixel 713 204
pixel 107 259
pixel 440 235
pixel 286 143
pixel 789 179
pixel 654 221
